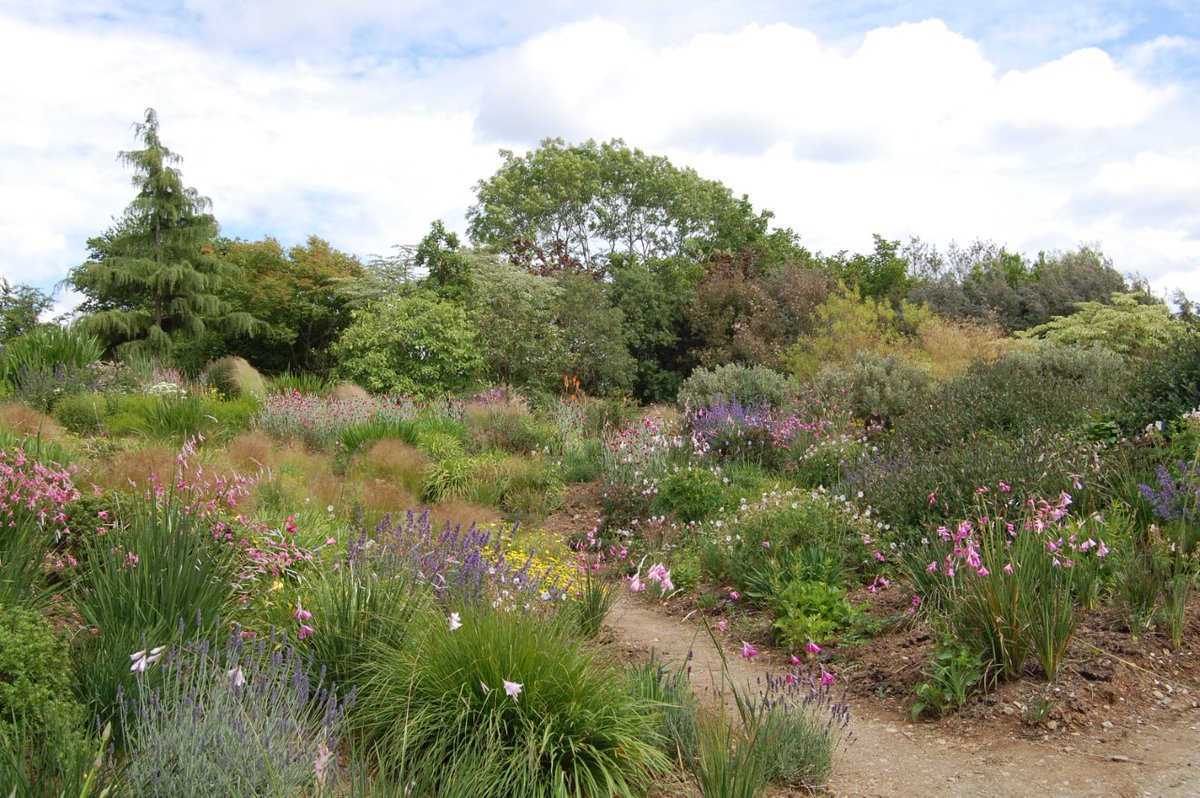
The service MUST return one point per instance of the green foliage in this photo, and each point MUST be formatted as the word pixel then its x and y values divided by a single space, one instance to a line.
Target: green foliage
pixel 448 272
pixel 42 726
pixel 953 675
pixel 417 345
pixel 161 578
pixel 670 692
pixel 155 275
pixel 508 429
pixel 653 300
pixel 594 341
pixel 440 715
pixel 882 275
pixel 583 463
pixel 848 323
pixel 808 609
pixel 521 341
pixel 46 348
pixel 984 282
pixel 20 308
pixel 592 602
pixel 81 413
pixel 600 201
pixel 1168 385
pixel 877 388
pixel 234 378
pixel 750 385
pixel 691 494
pixel 294 294
pixel 1128 325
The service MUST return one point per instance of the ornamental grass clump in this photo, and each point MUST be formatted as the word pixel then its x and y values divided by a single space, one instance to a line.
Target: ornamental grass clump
pixel 495 703
pixel 248 718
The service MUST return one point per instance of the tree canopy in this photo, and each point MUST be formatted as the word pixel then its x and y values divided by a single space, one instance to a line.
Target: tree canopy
pixel 590 203
pixel 154 276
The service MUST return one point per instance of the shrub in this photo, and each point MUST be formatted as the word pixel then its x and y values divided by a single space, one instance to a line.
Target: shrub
pixel 509 428
pixel 81 413
pixel 750 385
pixel 877 388
pixel 234 377
pixel 691 494
pixel 36 701
pixel 509 704
pixel 251 719
pixel 418 345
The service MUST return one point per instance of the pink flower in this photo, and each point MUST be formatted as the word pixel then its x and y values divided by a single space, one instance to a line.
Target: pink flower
pixel 1102 550
pixel 795 659
pixel 301 614
pixel 932 498
pixel 790 679
pixel 1008 569
pixel 748 651
pixel 983 571
pixel 455 621
pixel 826 678
pixel 305 631
pixel 931 568
pixel 733 594
pixel 635 584
pixel 722 626
pixel 811 648
pixel 766 544
pixel 513 689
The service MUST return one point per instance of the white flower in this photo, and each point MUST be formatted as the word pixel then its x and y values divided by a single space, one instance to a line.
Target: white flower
pixel 455 621
pixel 142 659
pixel 512 688
pixel 235 677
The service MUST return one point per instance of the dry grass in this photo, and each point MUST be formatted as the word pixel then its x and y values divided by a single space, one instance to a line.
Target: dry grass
pixel 460 512
pixel 474 412
pixel 134 467
pixel 24 420
pixel 378 498
pixel 394 461
pixel 348 391
pixel 252 450
pixel 234 377
pixel 951 347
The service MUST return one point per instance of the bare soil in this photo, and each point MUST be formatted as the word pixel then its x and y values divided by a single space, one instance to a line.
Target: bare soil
pixel 1133 732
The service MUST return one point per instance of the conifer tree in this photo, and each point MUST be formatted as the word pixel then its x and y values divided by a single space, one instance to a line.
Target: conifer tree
pixel 154 276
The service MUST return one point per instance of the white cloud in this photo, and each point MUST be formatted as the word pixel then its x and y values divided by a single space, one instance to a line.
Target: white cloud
pixel 903 129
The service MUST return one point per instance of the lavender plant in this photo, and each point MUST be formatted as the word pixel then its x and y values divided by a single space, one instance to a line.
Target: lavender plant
pixel 243 719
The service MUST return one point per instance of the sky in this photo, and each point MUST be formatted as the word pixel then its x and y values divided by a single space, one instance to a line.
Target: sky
pixel 1038 124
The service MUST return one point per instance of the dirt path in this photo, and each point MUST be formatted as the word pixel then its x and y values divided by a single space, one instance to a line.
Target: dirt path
pixel 892 757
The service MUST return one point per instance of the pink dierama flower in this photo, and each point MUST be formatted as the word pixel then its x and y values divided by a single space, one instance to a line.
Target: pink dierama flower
pixel 812 648
pixel 1008 569
pixel 748 651
pixel 795 660
pixel 983 571
pixel 455 621
pixel 305 631
pixel 635 584
pixel 513 689
pixel 733 594
pixel 1102 550
pixel 722 626
pixel 827 678
pixel 301 614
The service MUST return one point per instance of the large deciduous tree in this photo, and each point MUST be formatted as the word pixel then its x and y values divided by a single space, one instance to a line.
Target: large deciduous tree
pixel 154 276
pixel 293 293
pixel 588 203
